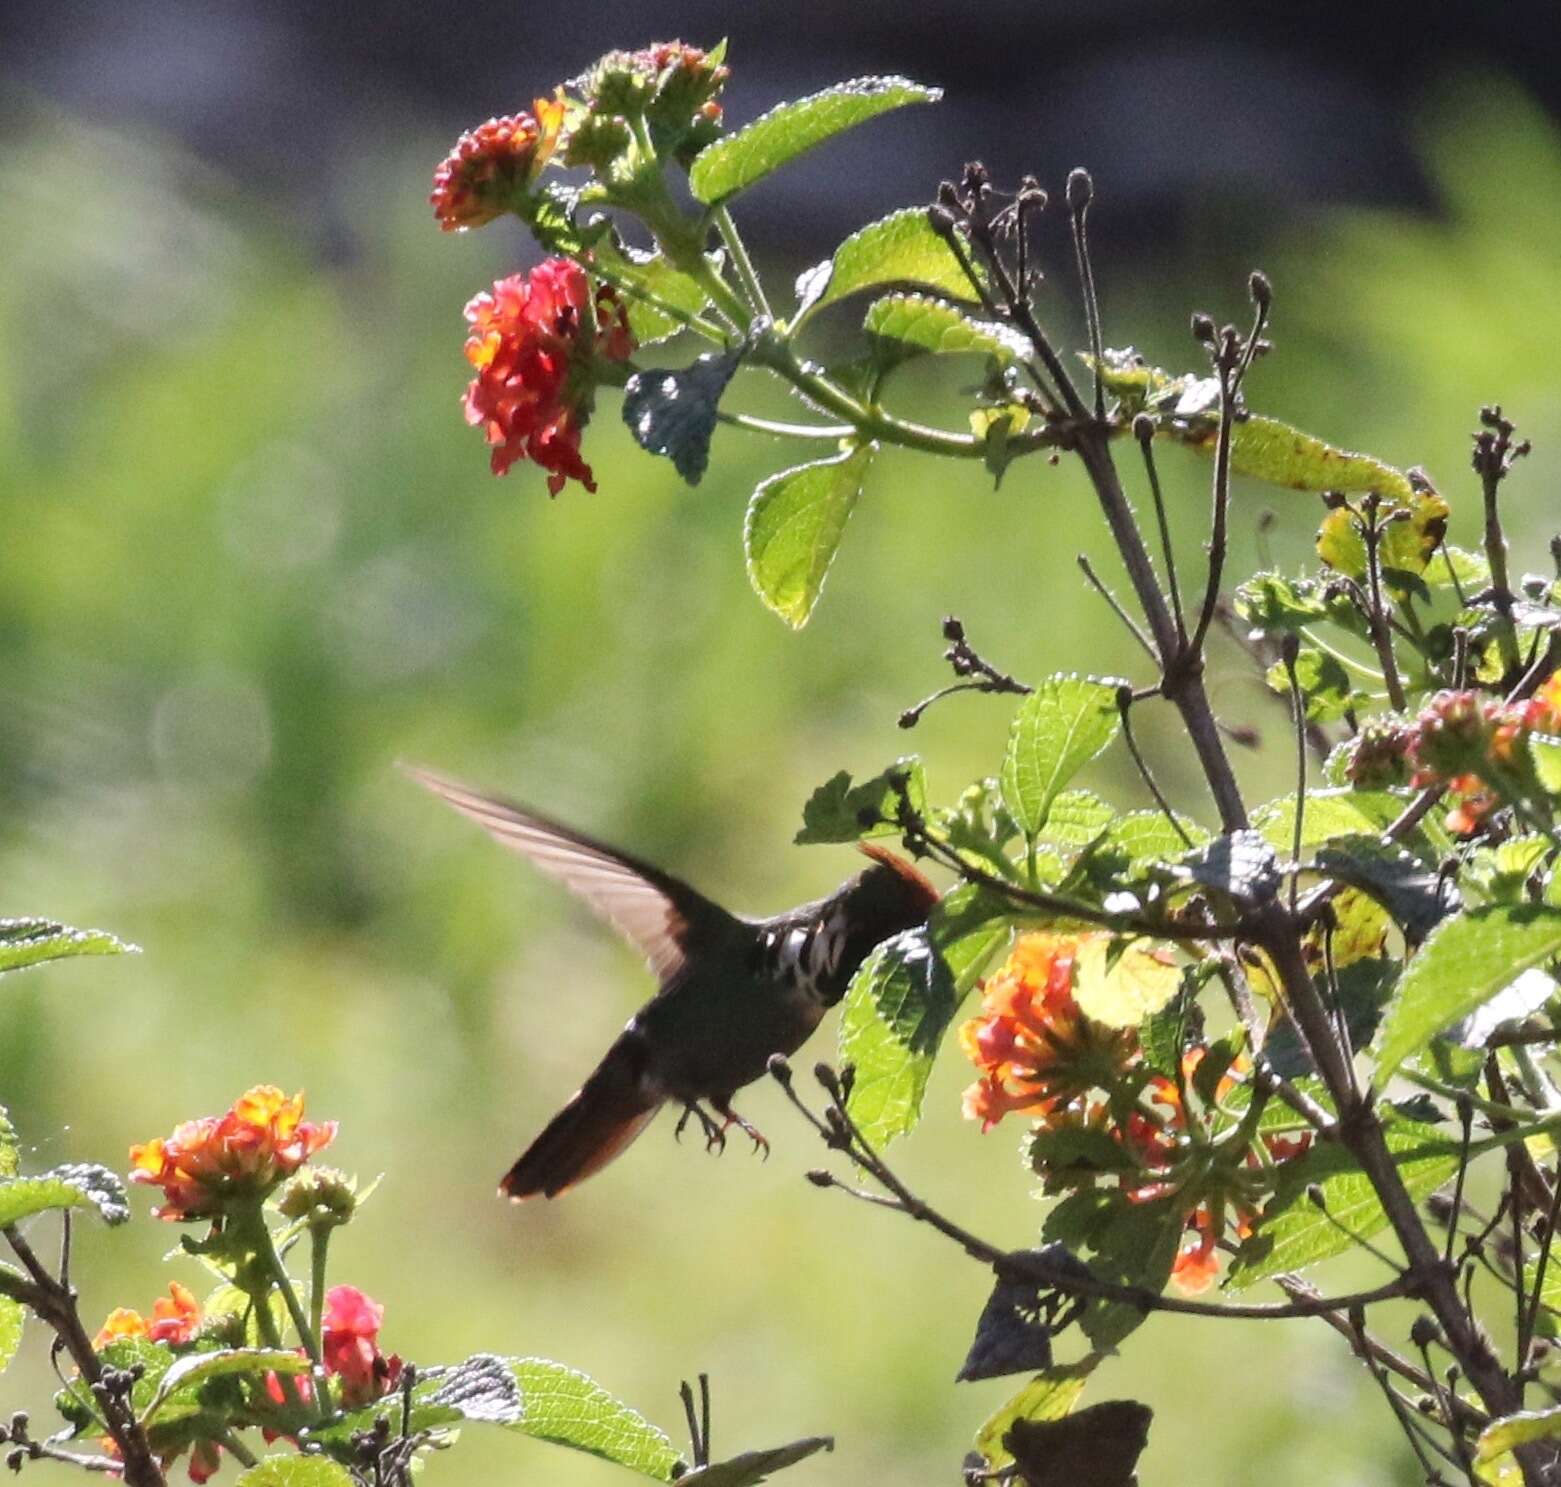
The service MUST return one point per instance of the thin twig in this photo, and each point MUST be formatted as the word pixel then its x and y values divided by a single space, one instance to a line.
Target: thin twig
pixel 1143 431
pixel 1124 710
pixel 1117 609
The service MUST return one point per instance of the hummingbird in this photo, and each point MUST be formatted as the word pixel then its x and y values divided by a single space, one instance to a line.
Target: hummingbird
pixel 733 991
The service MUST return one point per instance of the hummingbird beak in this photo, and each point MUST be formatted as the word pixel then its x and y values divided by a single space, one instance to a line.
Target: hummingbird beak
pixel 906 869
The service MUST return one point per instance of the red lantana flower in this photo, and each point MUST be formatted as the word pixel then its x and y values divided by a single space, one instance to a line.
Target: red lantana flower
pixel 349 1339
pixel 245 1153
pixel 1037 1052
pixel 493 166
pixel 534 342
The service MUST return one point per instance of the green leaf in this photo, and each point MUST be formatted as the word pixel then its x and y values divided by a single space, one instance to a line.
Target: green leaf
pixel 901 1003
pixel 1406 545
pixel 673 413
pixel 1465 962
pixel 1056 731
pixel 296 1471
pixel 78 1185
pixel 839 811
pixel 1364 989
pixel 1277 605
pixel 1267 449
pixel 755 1466
pixel 1048 1396
pixel 1076 820
pixel 194 1369
pixel 1329 814
pixel 940 329
pixel 561 1405
pixel 794 524
pixel 12 1318
pixel 1327 693
pixel 1294 1232
pixel 652 276
pixel 734 163
pixel 1546 754
pixel 28 942
pixel 901 248
pixel 1501 1437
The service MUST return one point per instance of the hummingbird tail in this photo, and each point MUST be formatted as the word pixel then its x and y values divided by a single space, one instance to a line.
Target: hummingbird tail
pixel 607 1112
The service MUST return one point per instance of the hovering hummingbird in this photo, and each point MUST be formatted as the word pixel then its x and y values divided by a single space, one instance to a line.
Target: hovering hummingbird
pixel 734 991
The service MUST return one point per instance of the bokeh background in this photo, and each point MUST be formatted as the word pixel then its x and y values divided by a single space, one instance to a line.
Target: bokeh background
pixel 251 555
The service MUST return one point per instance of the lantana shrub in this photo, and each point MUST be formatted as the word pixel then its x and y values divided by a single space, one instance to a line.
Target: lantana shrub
pixel 1242 1038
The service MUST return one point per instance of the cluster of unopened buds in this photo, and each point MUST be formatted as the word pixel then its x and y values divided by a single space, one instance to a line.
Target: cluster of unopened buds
pixel 1470 744
pixel 223 1170
pixel 1039 1055
pixel 542 342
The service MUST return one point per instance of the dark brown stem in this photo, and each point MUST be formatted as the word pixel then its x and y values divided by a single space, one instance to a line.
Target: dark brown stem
pixel 55 1305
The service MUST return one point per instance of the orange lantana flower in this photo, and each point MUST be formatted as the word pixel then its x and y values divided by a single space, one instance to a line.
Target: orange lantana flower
pixel 176 1318
pixel 244 1153
pixel 1037 1052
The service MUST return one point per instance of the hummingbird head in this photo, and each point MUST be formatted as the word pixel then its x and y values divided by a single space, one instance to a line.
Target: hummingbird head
pixel 890 896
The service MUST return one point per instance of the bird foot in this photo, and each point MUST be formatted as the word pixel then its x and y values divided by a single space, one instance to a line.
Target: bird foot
pixel 752 1132
pixel 715 1136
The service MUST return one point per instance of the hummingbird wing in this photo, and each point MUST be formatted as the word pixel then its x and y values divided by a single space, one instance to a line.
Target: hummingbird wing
pixel 662 917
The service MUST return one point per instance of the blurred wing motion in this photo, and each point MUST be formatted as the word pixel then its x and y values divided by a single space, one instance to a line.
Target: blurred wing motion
pixel 660 916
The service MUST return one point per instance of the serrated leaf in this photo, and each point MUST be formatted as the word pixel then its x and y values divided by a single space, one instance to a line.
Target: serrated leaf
pixel 1417 899
pixel 195 1369
pixel 1240 864
pixel 673 413
pixel 900 1004
pixel 30 942
pixel 296 1471
pixel 734 163
pixel 1056 731
pixel 1294 1232
pixel 1466 961
pixel 1076 819
pixel 1267 449
pixel 561 1405
pixel 1327 693
pixel 76 1185
pixel 1119 985
pixel 12 1319
pixel 937 328
pixel 1524 997
pixel 839 811
pixel 1329 814
pixel 794 525
pixel 1275 605
pixel 1471 570
pixel 901 248
pixel 755 1466
pixel 1048 1396
pixel 483 1387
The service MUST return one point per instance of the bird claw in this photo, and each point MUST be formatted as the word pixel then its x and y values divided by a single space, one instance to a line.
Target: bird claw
pixel 752 1132
pixel 715 1136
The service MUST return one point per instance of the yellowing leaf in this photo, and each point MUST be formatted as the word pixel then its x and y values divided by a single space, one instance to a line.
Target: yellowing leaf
pixel 1122 989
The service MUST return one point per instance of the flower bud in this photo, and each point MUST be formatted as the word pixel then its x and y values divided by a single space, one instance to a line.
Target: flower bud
pixel 322 1195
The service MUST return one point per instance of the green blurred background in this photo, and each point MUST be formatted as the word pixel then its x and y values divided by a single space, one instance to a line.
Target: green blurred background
pixel 252 556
